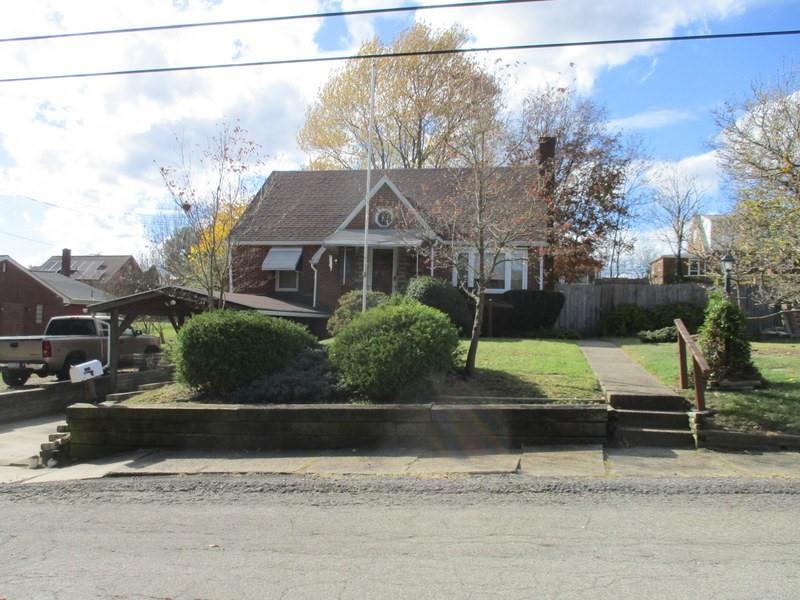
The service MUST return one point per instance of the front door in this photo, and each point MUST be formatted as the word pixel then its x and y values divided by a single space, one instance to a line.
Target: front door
pixel 382 270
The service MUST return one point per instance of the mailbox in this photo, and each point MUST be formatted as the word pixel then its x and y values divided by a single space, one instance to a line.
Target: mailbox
pixel 85 371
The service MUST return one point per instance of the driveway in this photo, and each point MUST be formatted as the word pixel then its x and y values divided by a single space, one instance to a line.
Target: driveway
pixel 22 439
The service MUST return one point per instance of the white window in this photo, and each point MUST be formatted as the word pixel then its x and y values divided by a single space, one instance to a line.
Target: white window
pixel 287 281
pixel 696 267
pixel 39 314
pixel 508 274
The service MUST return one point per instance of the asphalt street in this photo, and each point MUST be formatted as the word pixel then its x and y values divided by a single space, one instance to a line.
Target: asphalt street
pixel 499 536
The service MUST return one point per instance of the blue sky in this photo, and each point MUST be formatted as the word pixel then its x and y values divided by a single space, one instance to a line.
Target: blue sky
pixel 92 146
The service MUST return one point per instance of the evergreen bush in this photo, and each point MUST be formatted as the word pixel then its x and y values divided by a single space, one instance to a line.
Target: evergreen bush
pixel 307 379
pixel 224 350
pixel 723 339
pixel 391 346
pixel 349 307
pixel 443 296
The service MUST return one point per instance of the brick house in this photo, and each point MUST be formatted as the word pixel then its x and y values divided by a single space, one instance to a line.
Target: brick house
pixel 29 298
pixel 116 274
pixel 707 240
pixel 302 237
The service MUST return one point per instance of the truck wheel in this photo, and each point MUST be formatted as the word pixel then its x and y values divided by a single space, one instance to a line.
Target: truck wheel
pixel 70 361
pixel 151 358
pixel 15 378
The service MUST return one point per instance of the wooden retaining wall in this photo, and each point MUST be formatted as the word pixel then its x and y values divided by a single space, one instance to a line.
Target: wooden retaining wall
pixel 55 397
pixel 585 303
pixel 100 430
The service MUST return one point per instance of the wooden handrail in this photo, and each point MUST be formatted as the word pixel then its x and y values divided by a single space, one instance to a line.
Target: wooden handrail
pixel 699 362
pixel 780 312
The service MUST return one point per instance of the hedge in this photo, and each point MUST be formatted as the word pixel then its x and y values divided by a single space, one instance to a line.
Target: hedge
pixel 629 319
pixel 223 350
pixel 391 346
pixel 349 307
pixel 443 296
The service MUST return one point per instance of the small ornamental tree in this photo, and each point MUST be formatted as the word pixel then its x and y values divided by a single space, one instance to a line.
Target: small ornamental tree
pixel 723 339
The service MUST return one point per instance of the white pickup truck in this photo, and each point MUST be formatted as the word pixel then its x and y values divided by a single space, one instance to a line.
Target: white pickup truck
pixel 68 341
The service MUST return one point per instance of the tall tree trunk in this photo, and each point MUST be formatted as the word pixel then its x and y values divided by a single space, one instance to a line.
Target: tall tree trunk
pixel 477 323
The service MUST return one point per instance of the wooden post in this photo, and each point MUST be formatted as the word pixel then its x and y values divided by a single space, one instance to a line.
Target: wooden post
pixel 113 349
pixel 682 363
pixel 699 386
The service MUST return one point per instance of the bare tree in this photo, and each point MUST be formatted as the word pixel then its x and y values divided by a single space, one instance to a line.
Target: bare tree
pixel 676 202
pixel 492 215
pixel 211 189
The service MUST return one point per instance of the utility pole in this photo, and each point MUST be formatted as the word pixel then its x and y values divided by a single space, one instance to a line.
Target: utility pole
pixel 365 272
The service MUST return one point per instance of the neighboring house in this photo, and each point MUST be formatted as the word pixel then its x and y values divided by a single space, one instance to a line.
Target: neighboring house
pixel 707 240
pixel 302 237
pixel 29 298
pixel 118 275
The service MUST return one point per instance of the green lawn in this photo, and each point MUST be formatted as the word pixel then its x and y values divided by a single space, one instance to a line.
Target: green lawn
pixel 555 370
pixel 776 407
pixel 519 368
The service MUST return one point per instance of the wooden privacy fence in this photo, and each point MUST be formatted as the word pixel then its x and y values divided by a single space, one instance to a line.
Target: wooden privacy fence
pixel 584 303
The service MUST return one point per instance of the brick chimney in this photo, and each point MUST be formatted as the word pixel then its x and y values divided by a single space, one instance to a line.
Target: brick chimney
pixel 66 262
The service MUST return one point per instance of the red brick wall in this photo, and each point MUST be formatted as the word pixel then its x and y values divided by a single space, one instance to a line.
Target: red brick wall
pixel 21 290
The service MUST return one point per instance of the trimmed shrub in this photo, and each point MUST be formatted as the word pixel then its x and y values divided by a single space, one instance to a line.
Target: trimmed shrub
pixel 349 307
pixel 659 336
pixel 723 339
pixel 389 347
pixel 533 309
pixel 223 350
pixel 664 315
pixel 626 319
pixel 443 296
pixel 307 379
pixel 629 319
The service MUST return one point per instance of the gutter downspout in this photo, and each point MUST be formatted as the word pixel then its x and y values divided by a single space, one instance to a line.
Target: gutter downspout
pixel 313 264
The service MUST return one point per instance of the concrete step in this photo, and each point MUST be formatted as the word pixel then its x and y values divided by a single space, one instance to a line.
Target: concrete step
pixel 671 403
pixel 62 428
pixel 120 396
pixel 664 438
pixel 652 419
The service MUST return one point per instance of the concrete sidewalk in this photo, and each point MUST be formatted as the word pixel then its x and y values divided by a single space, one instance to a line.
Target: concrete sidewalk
pixel 561 461
pixel 618 374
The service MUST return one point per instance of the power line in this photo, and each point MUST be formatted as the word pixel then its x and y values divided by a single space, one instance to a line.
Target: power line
pixel 82 208
pixel 22 237
pixel 294 61
pixel 322 15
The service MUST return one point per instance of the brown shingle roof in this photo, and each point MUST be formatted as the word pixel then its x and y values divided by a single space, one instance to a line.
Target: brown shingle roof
pixel 308 206
pixel 93 267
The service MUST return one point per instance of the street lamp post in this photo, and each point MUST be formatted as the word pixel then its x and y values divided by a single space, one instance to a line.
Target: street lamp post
pixel 727 262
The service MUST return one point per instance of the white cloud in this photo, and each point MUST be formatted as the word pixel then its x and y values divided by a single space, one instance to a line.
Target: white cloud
pixel 703 169
pixel 651 119
pixel 579 20
pixel 96 142
pixel 92 142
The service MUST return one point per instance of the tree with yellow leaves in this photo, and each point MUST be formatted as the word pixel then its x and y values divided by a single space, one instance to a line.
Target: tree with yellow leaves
pixel 211 189
pixel 419 104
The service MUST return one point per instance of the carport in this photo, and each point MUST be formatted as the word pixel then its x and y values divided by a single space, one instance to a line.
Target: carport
pixel 178 303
